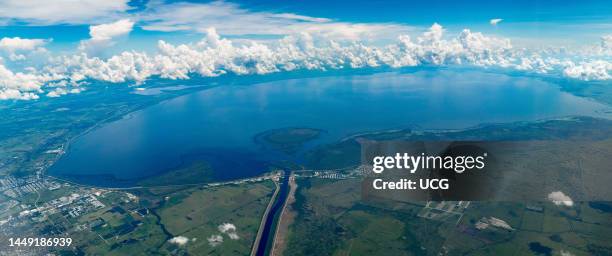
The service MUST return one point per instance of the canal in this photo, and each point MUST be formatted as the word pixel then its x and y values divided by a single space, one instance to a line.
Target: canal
pixel 269 229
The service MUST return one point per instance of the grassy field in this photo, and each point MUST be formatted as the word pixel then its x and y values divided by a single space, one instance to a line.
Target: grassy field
pixel 197 216
pixel 333 220
pixel 193 214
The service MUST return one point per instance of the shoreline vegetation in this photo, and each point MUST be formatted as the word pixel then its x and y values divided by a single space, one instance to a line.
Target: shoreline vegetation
pixel 287 140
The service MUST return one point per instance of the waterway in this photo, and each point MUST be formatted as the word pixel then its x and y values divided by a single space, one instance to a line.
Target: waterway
pixel 269 228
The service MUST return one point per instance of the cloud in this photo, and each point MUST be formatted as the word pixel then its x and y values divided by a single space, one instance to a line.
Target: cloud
pixel 179 240
pixel 22 86
pixel 216 56
pixel 230 230
pixel 589 70
pixel 494 22
pixel 15 46
pixel 232 19
pixel 20 44
pixel 42 12
pixel 110 30
pixel 102 35
pixel 227 227
pixel 606 42
pixel 215 240
pixel 558 198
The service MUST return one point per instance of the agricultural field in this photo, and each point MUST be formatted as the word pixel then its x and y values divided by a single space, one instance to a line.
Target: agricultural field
pixel 333 220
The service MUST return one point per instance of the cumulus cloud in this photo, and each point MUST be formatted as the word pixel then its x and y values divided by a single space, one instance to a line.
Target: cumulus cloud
pixel 179 240
pixel 215 240
pixel 110 30
pixel 230 230
pixel 102 35
pixel 227 227
pixel 589 70
pixel 215 56
pixel 494 22
pixel 22 86
pixel 20 44
pixel 16 46
pixel 42 12
pixel 558 198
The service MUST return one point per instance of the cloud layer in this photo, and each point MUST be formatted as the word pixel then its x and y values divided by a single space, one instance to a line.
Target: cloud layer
pixel 232 19
pixel 41 12
pixel 215 56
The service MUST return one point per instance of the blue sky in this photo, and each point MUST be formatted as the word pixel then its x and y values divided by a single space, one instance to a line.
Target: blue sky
pixel 541 22
pixel 53 48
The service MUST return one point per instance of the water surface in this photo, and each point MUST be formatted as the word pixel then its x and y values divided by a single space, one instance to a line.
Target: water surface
pixel 218 124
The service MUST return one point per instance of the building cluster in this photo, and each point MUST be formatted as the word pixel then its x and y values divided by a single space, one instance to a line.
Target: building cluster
pixel 331 175
pixel 73 205
pixel 16 187
pixel 338 174
pixel 19 214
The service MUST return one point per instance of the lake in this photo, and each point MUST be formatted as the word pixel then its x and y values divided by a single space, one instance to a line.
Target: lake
pixel 219 124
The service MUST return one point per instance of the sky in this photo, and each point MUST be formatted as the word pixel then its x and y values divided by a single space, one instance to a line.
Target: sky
pixel 51 48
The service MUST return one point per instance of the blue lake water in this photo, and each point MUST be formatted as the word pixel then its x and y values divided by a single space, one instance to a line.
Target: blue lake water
pixel 218 124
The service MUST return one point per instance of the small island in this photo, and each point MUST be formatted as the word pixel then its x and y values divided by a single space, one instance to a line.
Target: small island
pixel 287 140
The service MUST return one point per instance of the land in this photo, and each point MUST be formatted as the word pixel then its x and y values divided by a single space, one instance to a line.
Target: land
pixel 287 140
pixel 327 216
pixel 347 152
pixel 139 221
pixel 333 220
pixel 325 213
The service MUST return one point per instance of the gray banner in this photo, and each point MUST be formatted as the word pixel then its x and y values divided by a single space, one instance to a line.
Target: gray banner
pixel 559 171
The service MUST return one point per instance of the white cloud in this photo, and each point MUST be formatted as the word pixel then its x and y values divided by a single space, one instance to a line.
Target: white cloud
pixel 20 44
pixel 215 240
pixel 42 12
pixel 22 86
pixel 17 47
pixel 102 35
pixel 606 42
pixel 589 70
pixel 227 227
pixel 232 19
pixel 566 253
pixel 57 92
pixel 110 30
pixel 215 56
pixel 494 22
pixel 230 230
pixel 558 198
pixel 179 240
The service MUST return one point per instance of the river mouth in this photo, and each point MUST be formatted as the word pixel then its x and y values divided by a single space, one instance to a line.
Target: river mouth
pixel 214 129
